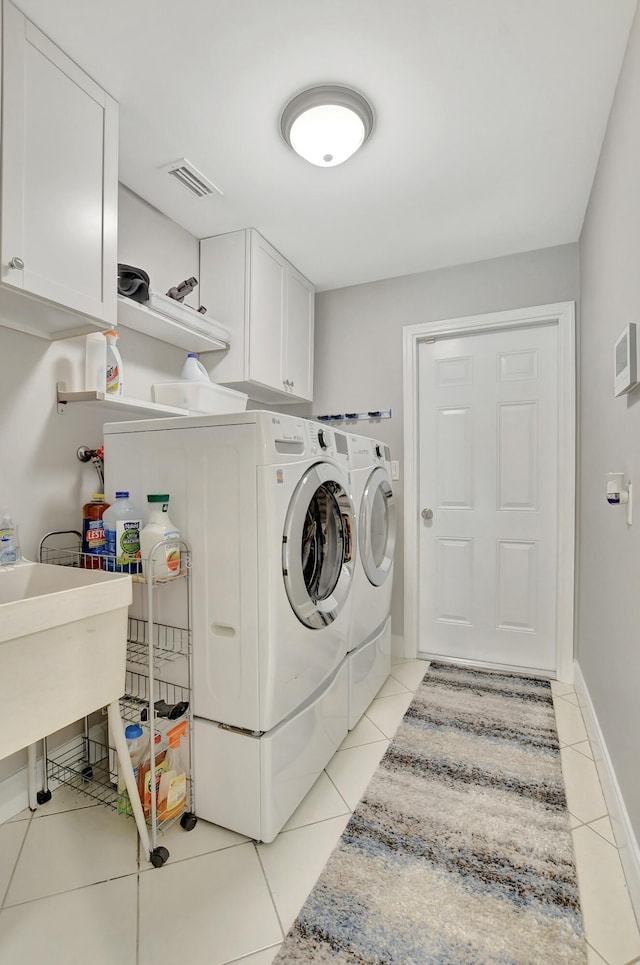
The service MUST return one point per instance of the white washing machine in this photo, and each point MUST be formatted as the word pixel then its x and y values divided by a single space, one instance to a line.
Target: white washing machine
pixel 263 499
pixel 369 642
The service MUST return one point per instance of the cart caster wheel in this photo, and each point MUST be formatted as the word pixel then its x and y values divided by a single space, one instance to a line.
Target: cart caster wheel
pixel 158 857
pixel 188 821
pixel 87 773
pixel 43 796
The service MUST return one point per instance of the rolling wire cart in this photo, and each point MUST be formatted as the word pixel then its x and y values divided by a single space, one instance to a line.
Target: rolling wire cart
pixel 102 768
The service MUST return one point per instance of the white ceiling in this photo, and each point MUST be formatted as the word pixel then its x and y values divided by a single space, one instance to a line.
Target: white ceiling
pixel 490 115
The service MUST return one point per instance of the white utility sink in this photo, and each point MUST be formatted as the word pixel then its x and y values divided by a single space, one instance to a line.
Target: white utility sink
pixel 63 637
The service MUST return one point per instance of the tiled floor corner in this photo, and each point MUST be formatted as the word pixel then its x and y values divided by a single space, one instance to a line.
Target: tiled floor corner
pixel 73 890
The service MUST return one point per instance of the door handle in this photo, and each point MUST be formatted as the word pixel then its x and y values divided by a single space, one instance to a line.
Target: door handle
pixel 427 514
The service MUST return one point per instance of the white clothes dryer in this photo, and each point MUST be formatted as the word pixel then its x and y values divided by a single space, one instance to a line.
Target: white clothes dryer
pixel 369 642
pixel 263 500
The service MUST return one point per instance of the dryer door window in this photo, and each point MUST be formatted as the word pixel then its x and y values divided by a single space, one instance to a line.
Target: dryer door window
pixel 317 546
pixel 377 527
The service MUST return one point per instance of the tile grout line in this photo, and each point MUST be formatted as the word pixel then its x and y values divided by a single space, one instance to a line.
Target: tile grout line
pixel 3 904
pixel 267 883
pixel 338 792
pixel 594 949
pixel 588 824
pixel 245 958
pixel 68 891
pixel 192 857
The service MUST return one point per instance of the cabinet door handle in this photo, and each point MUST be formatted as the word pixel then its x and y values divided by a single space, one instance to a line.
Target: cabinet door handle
pixel 16 263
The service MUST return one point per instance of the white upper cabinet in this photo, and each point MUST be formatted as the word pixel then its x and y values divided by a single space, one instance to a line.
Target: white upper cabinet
pixel 59 189
pixel 268 306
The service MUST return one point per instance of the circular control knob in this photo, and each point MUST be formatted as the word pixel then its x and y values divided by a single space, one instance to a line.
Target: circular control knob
pixel 322 440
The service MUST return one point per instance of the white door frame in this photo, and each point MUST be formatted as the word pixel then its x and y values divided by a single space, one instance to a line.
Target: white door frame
pixel 562 314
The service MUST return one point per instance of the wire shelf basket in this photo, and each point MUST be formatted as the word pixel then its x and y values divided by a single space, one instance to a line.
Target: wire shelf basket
pixel 169 643
pixel 62 555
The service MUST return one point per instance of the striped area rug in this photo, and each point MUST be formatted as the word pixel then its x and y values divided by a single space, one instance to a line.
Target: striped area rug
pixel 460 851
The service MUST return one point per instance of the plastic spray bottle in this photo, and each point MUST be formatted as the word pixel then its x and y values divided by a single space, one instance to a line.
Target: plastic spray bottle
pixel 9 544
pixel 114 379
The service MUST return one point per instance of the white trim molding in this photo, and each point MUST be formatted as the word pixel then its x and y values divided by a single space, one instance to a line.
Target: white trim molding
pixel 626 841
pixel 561 314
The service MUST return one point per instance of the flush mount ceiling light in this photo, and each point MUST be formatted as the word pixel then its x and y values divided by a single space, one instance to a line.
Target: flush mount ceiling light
pixel 326 125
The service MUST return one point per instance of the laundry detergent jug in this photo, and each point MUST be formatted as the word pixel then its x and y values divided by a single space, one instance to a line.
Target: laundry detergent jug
pixel 193 370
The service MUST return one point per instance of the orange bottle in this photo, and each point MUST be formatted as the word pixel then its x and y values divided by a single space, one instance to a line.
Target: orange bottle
pixel 93 541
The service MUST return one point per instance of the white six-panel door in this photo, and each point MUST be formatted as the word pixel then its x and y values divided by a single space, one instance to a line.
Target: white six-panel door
pixel 488 473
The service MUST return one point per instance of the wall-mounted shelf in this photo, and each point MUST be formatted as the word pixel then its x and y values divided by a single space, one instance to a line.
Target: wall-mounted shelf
pixel 117 404
pixel 187 330
pixel 372 416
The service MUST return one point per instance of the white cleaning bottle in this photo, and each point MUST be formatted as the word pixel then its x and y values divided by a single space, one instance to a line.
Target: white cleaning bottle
pixel 138 747
pixel 114 378
pixel 95 362
pixel 9 545
pixel 166 559
pixel 193 370
pixel 122 525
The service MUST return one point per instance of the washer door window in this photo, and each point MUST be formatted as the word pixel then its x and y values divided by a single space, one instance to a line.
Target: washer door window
pixel 317 546
pixel 377 527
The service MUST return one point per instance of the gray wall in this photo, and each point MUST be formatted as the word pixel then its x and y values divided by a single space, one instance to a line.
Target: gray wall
pixel 608 648
pixel 358 340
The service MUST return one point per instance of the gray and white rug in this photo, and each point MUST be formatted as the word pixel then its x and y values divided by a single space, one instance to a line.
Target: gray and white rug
pixel 460 851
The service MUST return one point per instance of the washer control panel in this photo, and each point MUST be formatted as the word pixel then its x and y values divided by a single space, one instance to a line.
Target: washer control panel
pixel 321 440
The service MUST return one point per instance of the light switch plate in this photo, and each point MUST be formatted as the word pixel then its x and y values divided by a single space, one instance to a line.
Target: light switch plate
pixel 395 469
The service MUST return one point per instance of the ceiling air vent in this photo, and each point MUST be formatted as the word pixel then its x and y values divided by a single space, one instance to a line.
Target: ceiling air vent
pixel 186 174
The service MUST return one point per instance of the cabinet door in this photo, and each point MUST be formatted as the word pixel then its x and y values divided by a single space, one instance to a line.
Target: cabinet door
pixel 59 175
pixel 298 337
pixel 266 313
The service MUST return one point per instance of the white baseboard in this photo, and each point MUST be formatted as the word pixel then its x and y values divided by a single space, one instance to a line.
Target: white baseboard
pixel 620 822
pixel 397 648
pixel 14 792
pixel 484 665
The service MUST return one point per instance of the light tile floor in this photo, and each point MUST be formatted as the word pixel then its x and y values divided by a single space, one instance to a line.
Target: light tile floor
pixel 74 890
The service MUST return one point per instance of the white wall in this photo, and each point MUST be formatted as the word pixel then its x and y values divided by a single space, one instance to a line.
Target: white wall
pixel 608 642
pixel 358 341
pixel 42 482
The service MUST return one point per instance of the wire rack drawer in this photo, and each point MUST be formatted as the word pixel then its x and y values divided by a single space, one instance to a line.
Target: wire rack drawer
pixel 169 643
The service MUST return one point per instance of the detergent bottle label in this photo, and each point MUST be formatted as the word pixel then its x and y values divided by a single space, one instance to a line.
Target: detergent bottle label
pixel 94 539
pixel 123 541
pixel 128 540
